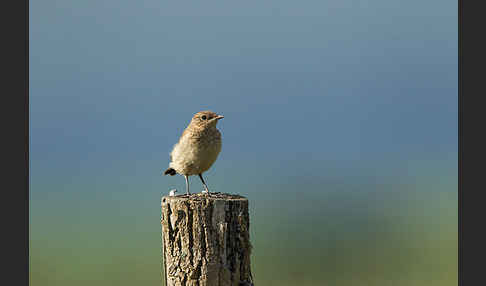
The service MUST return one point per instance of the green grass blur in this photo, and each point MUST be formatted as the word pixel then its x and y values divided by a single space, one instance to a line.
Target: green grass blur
pixel 304 231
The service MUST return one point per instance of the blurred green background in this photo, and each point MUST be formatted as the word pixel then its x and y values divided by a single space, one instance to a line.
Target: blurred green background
pixel 340 128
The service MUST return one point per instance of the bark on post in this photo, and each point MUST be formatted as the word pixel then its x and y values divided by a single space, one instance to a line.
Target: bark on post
pixel 206 240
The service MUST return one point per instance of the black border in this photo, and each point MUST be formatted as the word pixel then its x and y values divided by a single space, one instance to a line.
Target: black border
pixel 15 141
pixel 471 150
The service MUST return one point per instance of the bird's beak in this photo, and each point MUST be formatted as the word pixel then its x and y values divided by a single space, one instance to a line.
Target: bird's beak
pixel 219 117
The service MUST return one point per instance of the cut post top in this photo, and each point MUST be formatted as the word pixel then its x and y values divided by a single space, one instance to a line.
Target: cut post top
pixel 203 197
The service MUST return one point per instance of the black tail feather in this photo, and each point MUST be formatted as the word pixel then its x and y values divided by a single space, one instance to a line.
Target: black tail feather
pixel 170 171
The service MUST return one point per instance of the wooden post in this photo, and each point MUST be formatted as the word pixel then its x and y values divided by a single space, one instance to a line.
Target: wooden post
pixel 206 240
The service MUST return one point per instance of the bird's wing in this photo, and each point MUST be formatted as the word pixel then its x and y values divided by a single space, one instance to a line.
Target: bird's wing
pixel 170 154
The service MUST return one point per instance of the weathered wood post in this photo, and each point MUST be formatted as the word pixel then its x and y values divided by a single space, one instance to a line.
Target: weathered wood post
pixel 206 240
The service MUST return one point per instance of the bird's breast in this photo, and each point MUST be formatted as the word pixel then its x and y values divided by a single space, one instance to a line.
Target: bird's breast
pixel 196 153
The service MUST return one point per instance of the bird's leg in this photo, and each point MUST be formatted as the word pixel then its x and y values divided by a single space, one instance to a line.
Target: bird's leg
pixel 187 184
pixel 205 186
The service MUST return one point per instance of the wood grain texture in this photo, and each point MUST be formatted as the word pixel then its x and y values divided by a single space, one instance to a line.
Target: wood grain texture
pixel 206 240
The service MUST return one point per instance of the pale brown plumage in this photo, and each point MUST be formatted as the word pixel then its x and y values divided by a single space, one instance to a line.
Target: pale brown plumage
pixel 197 149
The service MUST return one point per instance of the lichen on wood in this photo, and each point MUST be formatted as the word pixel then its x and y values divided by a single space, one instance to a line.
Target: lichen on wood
pixel 206 240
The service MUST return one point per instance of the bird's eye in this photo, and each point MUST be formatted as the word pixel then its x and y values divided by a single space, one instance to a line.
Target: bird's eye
pixel 204 117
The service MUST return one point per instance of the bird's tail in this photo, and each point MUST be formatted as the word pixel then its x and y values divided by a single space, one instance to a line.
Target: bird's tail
pixel 170 171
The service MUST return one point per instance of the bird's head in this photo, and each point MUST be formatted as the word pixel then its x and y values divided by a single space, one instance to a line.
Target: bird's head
pixel 205 119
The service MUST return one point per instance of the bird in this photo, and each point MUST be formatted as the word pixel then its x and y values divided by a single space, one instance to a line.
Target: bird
pixel 197 148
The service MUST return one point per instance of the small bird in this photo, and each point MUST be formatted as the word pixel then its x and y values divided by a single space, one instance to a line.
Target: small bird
pixel 197 149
